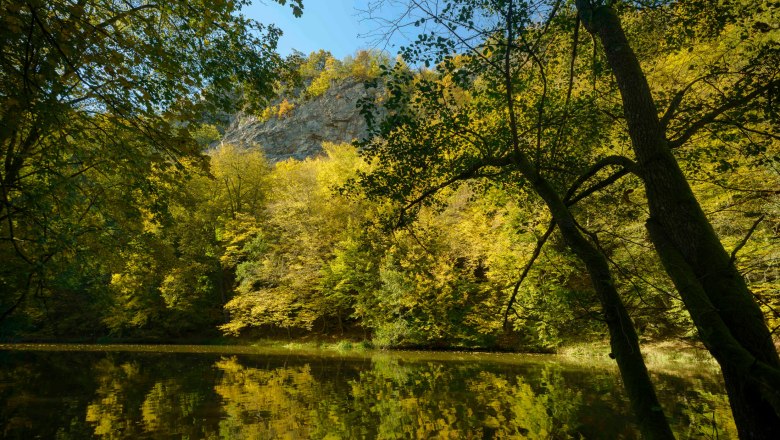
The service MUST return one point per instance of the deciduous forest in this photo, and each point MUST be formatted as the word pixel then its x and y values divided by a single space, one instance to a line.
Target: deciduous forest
pixel 532 174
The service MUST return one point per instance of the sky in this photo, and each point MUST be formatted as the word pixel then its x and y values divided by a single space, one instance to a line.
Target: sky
pixel 333 25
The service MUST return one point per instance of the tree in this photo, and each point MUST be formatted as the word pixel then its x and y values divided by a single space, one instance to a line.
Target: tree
pixel 98 88
pixel 178 268
pixel 730 96
pixel 716 294
pixel 469 121
pixel 281 274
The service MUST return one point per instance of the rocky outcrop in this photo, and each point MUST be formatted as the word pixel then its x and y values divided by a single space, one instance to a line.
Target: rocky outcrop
pixel 300 132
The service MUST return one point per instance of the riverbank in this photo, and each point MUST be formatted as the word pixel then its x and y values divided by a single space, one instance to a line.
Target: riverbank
pixel 659 355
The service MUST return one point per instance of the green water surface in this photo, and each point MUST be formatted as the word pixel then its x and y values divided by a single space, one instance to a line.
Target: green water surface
pixel 206 392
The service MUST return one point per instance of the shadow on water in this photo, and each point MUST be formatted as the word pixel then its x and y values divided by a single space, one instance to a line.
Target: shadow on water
pixel 66 393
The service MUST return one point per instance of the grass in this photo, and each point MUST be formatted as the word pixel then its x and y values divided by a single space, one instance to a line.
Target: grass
pixel 670 356
pixel 677 353
pixel 347 346
pixel 663 355
pixel 341 346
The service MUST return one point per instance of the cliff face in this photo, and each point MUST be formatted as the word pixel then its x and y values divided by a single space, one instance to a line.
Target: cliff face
pixel 300 132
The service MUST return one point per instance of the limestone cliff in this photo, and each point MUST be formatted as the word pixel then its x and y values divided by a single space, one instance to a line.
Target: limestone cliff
pixel 299 131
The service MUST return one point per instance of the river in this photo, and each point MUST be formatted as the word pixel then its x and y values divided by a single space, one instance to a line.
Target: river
pixel 209 392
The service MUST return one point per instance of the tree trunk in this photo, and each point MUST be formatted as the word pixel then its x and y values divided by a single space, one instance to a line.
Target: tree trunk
pixel 227 281
pixel 622 335
pixel 689 247
pixel 623 339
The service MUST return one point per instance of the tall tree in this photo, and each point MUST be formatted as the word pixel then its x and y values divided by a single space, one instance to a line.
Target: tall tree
pixel 483 115
pixel 724 310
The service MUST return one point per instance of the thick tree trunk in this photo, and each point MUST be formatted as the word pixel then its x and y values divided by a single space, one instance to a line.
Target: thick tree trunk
pixel 690 249
pixel 748 380
pixel 623 339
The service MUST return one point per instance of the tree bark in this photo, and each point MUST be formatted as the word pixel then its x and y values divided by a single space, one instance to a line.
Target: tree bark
pixel 690 249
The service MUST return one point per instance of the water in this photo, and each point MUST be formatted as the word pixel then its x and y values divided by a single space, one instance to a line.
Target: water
pixel 81 392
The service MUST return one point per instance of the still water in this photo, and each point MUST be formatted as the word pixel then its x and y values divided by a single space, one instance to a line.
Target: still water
pixel 120 392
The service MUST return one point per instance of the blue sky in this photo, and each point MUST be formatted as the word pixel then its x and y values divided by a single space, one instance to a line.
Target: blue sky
pixel 333 25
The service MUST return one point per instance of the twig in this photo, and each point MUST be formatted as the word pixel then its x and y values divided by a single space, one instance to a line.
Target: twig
pixel 745 240
pixel 537 250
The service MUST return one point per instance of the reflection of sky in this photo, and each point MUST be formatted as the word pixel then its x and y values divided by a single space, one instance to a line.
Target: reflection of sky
pixel 334 25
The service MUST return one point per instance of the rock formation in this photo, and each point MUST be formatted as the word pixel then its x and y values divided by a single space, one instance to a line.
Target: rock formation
pixel 300 132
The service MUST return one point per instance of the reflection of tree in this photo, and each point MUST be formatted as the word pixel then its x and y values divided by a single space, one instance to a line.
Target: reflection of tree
pixel 164 396
pixel 709 416
pixel 286 402
pixel 435 400
pixel 132 402
pixel 412 401
pixel 259 403
pixel 167 404
pixel 515 409
pixel 39 396
pixel 109 412
pixel 705 415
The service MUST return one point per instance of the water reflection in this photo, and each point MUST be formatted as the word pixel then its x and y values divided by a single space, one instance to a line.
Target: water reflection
pixel 274 403
pixel 120 395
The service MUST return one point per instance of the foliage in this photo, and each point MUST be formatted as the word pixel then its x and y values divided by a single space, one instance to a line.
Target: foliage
pixel 504 116
pixel 96 96
pixel 320 70
pixel 114 222
pixel 279 283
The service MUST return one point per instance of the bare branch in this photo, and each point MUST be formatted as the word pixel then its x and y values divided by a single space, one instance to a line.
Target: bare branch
pixel 575 42
pixel 628 165
pixel 743 128
pixel 470 172
pixel 124 14
pixel 678 97
pixel 598 186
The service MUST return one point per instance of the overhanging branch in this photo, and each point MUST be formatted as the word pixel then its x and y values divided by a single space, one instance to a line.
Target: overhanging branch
pixel 678 97
pixel 628 167
pixel 469 173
